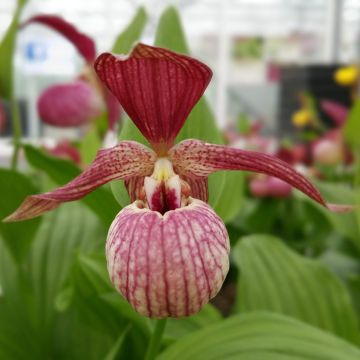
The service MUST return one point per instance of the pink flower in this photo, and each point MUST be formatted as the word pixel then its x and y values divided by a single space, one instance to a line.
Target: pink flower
pixel 269 186
pixel 336 111
pixel 75 103
pixel 328 152
pixel 2 118
pixel 167 252
pixel 65 150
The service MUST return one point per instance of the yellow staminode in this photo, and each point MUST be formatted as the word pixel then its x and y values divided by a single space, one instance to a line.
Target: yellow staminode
pixel 301 118
pixel 347 75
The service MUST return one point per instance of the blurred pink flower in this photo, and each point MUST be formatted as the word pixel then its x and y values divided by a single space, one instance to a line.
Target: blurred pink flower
pixel 336 111
pixel 75 103
pixel 269 186
pixel 328 152
pixel 65 150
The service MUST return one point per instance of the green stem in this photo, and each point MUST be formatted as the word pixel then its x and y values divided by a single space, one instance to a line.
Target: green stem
pixel 16 129
pixel 155 340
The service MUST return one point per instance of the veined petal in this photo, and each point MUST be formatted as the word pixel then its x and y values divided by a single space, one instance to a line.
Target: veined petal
pixel 197 159
pixel 70 104
pixel 171 264
pixel 126 160
pixel 157 88
pixel 113 110
pixel 83 43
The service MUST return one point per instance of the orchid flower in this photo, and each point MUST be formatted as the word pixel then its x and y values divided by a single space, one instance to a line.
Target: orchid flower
pixel 168 251
pixel 82 100
pixel 336 111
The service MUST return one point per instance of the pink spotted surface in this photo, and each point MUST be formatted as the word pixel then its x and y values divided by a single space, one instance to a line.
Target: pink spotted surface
pixel 171 264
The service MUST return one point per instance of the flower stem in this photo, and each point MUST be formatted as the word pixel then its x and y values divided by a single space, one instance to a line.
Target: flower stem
pixel 16 129
pixel 155 340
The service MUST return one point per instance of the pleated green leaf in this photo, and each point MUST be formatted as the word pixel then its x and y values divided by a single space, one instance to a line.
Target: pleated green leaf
pixel 14 187
pixel 29 322
pixel 261 336
pixel 352 125
pixel 7 48
pixel 176 328
pixel 346 224
pixel 131 34
pixel 274 278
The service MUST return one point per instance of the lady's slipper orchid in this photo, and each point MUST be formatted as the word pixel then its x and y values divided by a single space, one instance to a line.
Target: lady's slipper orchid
pixel 269 186
pixel 167 252
pixel 301 118
pixel 336 111
pixel 347 75
pixel 328 152
pixel 78 102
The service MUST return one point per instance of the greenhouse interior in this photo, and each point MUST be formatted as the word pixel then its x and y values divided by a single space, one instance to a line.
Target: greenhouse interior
pixel 180 179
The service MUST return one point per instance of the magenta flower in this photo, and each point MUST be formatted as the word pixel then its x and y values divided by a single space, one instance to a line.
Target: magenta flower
pixel 336 111
pixel 167 252
pixel 78 102
pixel 269 186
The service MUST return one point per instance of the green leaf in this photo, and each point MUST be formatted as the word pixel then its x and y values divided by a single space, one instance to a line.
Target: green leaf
pixel 7 48
pixel 115 350
pixel 259 336
pixel 227 201
pixel 177 328
pixel 89 146
pixel 64 232
pixel 28 320
pixel 131 34
pixel 100 201
pixel 344 223
pixel 352 125
pixel 277 279
pixel 91 280
pixel 14 187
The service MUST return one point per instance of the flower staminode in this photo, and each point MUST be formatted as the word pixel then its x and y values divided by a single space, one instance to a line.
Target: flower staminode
pixel 167 252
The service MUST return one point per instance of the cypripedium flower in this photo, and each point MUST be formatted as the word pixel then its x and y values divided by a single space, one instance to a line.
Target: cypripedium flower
pixel 328 152
pixel 269 186
pixel 2 118
pixel 347 75
pixel 78 102
pixel 167 252
pixel 336 111
pixel 301 118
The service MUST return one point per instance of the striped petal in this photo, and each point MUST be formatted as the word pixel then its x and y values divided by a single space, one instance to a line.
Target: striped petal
pixel 83 43
pixel 126 160
pixel 197 159
pixel 171 264
pixel 70 104
pixel 157 88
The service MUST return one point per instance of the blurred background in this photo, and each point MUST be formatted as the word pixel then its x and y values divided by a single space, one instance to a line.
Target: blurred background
pixel 263 52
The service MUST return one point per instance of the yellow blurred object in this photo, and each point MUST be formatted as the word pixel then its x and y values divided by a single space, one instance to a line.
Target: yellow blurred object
pixel 347 75
pixel 301 118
